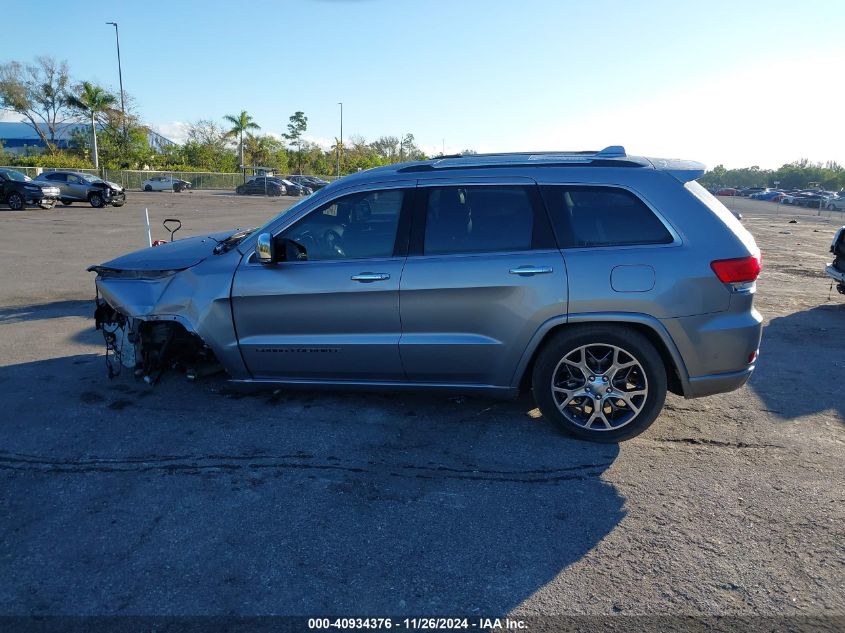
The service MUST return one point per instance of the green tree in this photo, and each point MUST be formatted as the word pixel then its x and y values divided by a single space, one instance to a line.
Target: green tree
pixel 297 125
pixel 91 100
pixel 38 92
pixel 241 124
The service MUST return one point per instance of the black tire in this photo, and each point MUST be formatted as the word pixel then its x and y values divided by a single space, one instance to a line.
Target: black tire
pixel 148 187
pixel 239 191
pixel 631 344
pixel 66 202
pixel 177 188
pixel 96 200
pixel 15 201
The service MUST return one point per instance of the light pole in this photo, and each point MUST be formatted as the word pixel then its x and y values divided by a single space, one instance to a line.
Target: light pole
pixel 120 77
pixel 340 140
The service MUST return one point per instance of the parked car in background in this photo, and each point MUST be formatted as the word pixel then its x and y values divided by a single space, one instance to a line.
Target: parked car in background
pixel 811 199
pixel 835 203
pixel 165 183
pixel 297 189
pixel 312 182
pixel 80 187
pixel 262 186
pixel 766 194
pixel 726 191
pixel 749 191
pixel 836 269
pixel 17 190
pixel 471 274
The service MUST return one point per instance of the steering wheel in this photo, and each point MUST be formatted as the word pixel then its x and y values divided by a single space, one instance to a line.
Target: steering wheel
pixel 334 242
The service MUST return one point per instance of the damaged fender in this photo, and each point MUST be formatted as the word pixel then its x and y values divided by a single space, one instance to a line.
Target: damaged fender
pixel 166 284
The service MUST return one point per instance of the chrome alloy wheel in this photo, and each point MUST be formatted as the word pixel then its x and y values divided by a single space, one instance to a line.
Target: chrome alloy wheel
pixel 599 387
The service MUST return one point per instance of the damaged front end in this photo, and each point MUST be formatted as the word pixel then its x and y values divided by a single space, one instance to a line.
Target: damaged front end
pixel 149 348
pixel 169 308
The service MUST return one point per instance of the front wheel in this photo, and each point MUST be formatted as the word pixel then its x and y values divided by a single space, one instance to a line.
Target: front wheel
pixel 600 383
pixel 148 188
pixel 15 201
pixel 96 200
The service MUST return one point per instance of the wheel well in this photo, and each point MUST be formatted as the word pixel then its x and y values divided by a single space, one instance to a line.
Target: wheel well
pixel 673 379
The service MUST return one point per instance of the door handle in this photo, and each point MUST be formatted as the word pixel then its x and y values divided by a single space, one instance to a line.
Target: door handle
pixel 526 271
pixel 370 277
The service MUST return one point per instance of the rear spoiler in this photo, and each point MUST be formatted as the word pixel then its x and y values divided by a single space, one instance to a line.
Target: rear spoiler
pixel 683 170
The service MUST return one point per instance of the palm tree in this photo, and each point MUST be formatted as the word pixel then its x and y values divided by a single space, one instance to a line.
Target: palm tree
pixel 92 99
pixel 240 124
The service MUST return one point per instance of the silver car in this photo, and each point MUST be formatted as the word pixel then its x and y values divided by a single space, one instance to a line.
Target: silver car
pixel 81 187
pixel 597 279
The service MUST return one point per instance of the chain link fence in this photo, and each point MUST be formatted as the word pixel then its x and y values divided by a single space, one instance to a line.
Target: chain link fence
pixel 134 179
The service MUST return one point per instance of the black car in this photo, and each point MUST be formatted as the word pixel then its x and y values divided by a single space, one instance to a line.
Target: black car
pixel 295 188
pixel 262 186
pixel 17 189
pixel 312 182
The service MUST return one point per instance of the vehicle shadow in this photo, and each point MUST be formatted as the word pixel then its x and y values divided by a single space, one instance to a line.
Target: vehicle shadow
pixel 117 498
pixel 42 311
pixel 801 369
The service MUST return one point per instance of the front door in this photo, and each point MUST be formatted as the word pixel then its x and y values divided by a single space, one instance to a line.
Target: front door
pixel 334 315
pixel 482 276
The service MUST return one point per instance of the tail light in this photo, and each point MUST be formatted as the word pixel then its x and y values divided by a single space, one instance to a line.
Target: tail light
pixel 739 270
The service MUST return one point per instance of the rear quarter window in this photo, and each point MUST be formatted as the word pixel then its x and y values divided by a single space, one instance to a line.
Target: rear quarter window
pixel 584 216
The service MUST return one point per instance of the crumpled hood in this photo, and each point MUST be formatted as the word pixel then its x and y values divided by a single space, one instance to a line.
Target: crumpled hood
pixel 114 185
pixel 176 255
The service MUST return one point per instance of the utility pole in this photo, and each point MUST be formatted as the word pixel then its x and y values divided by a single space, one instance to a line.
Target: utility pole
pixel 120 77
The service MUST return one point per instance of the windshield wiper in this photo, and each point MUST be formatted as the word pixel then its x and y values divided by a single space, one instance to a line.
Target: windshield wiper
pixel 234 239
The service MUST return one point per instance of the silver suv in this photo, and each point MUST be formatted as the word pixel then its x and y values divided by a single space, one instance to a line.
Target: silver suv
pixel 597 279
pixel 80 187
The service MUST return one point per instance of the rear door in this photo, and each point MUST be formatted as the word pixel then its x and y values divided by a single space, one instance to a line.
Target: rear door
pixel 60 180
pixel 483 274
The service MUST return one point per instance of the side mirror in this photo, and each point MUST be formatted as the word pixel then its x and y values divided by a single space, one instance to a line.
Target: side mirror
pixel 264 249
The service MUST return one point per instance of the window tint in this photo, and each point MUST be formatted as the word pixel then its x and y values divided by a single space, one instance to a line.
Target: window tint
pixel 602 216
pixel 357 226
pixel 478 219
pixel 57 177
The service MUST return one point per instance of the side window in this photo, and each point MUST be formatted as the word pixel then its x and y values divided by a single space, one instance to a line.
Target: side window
pixel 357 226
pixel 478 219
pixel 601 216
pixel 57 177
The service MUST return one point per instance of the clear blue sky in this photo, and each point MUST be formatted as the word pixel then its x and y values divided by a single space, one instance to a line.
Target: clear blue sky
pixel 732 82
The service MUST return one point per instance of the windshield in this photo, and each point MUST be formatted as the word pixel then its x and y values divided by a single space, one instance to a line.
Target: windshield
pixel 89 178
pixel 16 176
pixel 266 225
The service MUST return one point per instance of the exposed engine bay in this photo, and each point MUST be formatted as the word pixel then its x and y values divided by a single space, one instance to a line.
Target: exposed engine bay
pixel 149 348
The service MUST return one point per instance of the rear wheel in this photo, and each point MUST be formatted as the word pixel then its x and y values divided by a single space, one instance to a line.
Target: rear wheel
pixel 600 383
pixel 148 188
pixel 15 201
pixel 66 202
pixel 96 200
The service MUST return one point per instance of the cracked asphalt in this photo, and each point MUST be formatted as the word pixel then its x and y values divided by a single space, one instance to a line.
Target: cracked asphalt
pixel 195 499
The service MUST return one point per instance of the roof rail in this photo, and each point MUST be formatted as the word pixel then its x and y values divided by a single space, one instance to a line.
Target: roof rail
pixel 612 155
